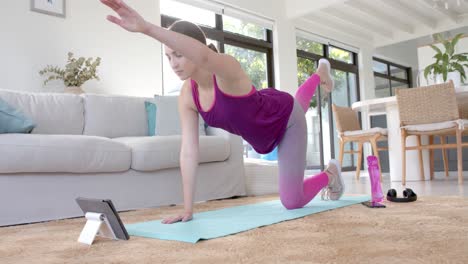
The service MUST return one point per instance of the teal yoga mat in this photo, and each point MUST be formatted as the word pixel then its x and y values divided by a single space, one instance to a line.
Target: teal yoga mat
pixel 223 222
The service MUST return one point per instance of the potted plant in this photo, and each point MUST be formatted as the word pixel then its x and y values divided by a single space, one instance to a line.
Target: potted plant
pixel 448 65
pixel 76 72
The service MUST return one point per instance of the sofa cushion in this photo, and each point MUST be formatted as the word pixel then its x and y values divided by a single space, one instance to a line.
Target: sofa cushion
pixel 62 153
pixel 53 113
pixel 162 152
pixel 167 117
pixel 115 116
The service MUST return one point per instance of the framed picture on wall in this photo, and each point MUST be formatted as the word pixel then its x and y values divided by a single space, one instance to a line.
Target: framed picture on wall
pixel 49 7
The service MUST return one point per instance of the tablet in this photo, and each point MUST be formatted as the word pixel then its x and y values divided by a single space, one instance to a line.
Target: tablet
pixel 106 207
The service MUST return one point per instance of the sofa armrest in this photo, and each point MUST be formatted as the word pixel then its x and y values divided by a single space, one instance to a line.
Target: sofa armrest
pixel 236 144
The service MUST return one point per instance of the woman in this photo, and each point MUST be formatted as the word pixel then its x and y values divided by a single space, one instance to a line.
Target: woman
pixel 216 87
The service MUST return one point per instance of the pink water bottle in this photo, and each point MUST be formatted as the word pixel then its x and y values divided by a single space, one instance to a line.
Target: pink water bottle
pixel 374 175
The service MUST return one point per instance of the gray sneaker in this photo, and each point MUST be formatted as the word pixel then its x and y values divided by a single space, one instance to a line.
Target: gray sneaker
pixel 326 79
pixel 336 187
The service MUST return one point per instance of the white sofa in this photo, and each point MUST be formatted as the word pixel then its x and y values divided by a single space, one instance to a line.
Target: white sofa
pixel 97 146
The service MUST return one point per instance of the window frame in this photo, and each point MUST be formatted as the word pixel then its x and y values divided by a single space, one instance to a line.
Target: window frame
pixel 341 66
pixel 389 77
pixel 225 37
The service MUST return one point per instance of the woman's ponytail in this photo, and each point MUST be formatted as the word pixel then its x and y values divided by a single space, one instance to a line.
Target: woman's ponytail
pixel 212 47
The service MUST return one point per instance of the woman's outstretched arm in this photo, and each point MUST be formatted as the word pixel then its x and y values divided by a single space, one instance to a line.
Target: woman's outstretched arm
pixel 224 66
pixel 189 153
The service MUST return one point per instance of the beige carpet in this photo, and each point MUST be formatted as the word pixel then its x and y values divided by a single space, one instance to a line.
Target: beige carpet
pixel 431 230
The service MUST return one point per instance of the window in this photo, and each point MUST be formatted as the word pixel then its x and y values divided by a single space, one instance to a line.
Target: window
pixel 249 43
pixel 322 138
pixel 340 54
pixel 389 76
pixel 380 67
pixel 188 12
pixel 253 62
pixel 398 72
pixel 238 26
pixel 382 87
pixel 309 46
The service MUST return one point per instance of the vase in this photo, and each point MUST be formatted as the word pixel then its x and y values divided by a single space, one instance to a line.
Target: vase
pixel 73 90
pixel 454 76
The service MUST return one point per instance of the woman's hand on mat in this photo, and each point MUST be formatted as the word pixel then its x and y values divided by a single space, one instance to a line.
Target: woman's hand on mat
pixel 129 18
pixel 180 218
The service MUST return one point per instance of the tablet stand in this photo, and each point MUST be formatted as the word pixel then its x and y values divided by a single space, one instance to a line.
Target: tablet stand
pixel 94 226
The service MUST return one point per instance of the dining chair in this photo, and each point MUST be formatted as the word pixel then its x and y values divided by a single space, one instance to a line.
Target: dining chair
pixel 443 140
pixel 429 111
pixel 463 122
pixel 463 126
pixel 349 131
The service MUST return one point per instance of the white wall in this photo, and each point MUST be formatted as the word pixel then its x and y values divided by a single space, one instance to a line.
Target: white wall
pixel 131 63
pixel 285 55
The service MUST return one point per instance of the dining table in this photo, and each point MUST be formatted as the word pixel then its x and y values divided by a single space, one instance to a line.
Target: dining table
pixel 388 106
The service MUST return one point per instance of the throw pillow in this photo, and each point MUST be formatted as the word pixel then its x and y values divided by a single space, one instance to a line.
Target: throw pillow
pixel 151 117
pixel 13 120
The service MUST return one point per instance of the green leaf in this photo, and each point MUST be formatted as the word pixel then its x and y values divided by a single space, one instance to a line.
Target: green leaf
pixel 458 67
pixel 455 40
pixel 448 48
pixel 429 69
pixel 438 57
pixel 463 76
pixel 438 37
pixel 459 57
pixel 445 60
pixel 434 47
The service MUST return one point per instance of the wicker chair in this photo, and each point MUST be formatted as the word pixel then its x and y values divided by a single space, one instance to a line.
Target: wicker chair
pixel 349 130
pixel 463 110
pixel 463 122
pixel 443 140
pixel 429 111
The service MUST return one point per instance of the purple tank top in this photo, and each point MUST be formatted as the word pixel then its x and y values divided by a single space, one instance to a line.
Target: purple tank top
pixel 259 117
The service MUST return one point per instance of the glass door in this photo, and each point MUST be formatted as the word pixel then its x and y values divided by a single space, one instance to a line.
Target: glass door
pixel 314 143
pixel 322 137
pixel 344 94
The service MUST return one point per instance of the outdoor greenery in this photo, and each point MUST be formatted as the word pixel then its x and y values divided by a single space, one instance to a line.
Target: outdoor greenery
pixel 254 63
pixel 306 67
pixel 309 46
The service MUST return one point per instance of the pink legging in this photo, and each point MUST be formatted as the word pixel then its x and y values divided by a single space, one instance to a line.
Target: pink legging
pixel 295 192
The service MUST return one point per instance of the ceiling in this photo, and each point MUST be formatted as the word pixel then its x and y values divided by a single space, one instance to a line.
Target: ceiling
pixel 379 22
